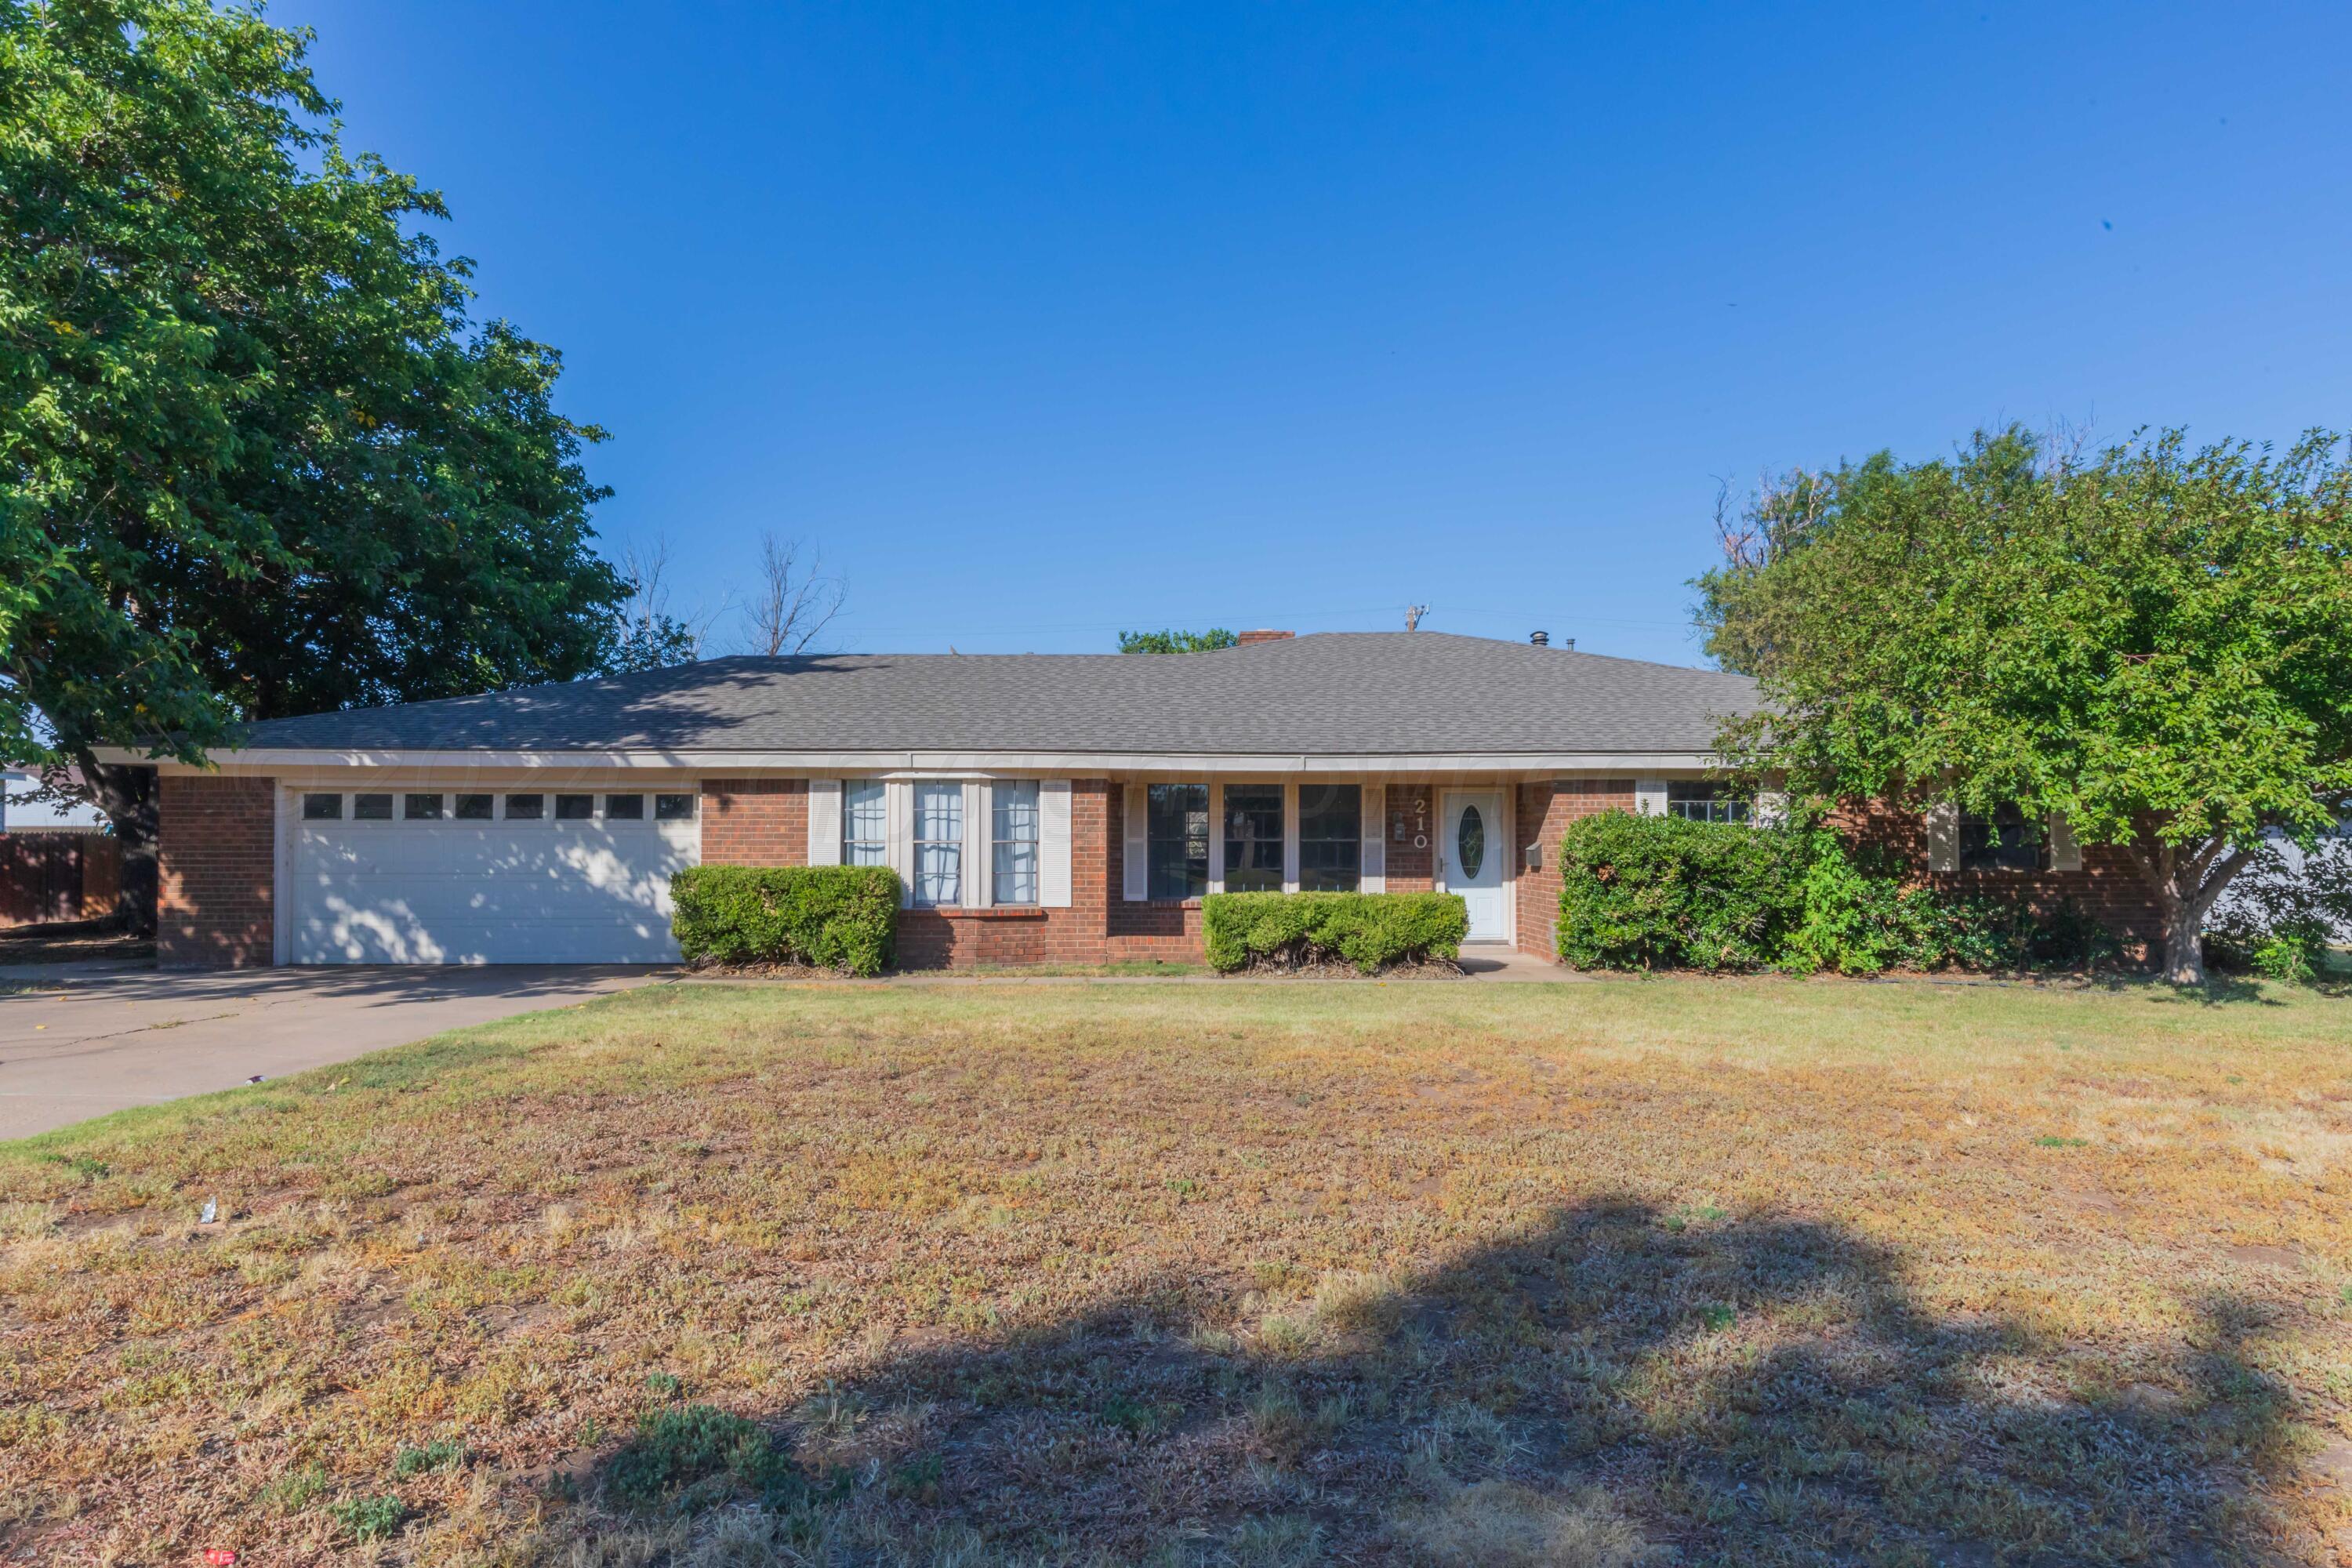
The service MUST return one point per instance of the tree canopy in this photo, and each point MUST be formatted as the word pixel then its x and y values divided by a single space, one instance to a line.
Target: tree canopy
pixel 259 461
pixel 2154 641
pixel 1176 642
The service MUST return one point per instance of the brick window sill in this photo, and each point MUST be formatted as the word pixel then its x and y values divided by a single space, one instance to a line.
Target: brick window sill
pixel 1164 903
pixel 995 912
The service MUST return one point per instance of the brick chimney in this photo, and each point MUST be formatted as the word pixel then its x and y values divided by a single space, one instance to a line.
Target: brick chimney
pixel 1248 637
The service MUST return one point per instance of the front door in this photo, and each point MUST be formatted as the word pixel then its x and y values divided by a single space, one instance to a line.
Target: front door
pixel 1470 853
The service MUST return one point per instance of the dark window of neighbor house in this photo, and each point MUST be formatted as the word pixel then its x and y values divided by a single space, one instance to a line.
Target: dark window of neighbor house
pixel 2005 841
pixel 624 808
pixel 371 808
pixel 574 808
pixel 1703 802
pixel 322 807
pixel 526 807
pixel 474 807
pixel 1330 837
pixel 1176 832
pixel 673 808
pixel 1252 838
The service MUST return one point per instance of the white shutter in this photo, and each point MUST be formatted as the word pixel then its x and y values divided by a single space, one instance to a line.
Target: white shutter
pixel 1943 837
pixel 1054 844
pixel 1216 837
pixel 1137 873
pixel 2065 855
pixel 1290 838
pixel 1650 796
pixel 1375 831
pixel 978 880
pixel 898 799
pixel 1772 807
pixel 824 822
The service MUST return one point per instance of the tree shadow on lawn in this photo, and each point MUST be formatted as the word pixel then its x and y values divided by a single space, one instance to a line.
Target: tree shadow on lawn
pixel 1623 1386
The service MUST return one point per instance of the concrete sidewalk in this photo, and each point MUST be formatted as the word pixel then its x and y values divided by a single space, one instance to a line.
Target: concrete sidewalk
pixel 79 1040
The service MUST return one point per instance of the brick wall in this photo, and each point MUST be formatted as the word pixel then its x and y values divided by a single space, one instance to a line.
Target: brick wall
pixel 216 868
pixel 1412 811
pixel 1543 811
pixel 955 939
pixel 2108 886
pixel 755 822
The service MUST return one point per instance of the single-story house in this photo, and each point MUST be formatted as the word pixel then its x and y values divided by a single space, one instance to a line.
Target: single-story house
pixel 1040 808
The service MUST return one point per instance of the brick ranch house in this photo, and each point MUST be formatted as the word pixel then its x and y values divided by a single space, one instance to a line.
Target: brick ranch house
pixel 1062 808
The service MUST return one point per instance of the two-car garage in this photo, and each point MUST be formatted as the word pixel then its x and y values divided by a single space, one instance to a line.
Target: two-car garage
pixel 465 874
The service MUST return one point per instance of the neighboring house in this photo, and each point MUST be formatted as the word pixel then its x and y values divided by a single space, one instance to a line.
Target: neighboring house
pixel 19 813
pixel 1068 808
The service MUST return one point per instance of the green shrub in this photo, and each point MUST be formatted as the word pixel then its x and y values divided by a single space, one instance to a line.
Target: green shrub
pixel 835 916
pixel 684 1455
pixel 2278 919
pixel 370 1517
pixel 1661 892
pixel 1370 930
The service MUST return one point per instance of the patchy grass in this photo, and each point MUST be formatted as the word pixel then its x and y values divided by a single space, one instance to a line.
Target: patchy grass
pixel 1616 1273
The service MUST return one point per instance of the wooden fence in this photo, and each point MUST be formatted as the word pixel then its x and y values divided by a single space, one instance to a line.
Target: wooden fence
pixel 48 876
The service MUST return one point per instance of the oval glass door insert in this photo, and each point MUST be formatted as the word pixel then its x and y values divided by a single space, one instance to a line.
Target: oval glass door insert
pixel 1470 843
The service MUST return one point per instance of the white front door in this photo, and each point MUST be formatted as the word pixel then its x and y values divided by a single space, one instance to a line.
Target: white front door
pixel 1470 853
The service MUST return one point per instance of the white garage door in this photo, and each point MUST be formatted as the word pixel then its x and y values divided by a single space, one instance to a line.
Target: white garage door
pixel 463 877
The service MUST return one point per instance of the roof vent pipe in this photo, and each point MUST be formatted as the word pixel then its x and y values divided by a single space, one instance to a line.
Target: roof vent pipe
pixel 1541 640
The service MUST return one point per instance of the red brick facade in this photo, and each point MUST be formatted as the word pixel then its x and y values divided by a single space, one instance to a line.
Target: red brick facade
pixel 2109 888
pixel 755 822
pixel 1544 810
pixel 216 854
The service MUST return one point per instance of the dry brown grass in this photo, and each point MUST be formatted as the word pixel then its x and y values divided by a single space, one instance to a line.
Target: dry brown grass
pixel 1610 1274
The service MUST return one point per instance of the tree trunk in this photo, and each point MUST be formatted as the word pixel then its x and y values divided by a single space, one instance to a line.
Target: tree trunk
pixel 2186 879
pixel 126 793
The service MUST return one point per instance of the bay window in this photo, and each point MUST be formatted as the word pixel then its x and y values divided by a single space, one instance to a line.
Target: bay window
pixel 939 842
pixel 1252 838
pixel 1330 837
pixel 1176 834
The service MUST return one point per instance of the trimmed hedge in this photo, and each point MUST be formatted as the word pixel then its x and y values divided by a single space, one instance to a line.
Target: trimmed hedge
pixel 835 916
pixel 1370 930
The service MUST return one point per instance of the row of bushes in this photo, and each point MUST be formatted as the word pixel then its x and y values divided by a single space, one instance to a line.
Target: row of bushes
pixel 846 917
pixel 1661 892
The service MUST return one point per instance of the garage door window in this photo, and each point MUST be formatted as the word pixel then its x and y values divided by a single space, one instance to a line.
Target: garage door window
pixel 526 807
pixel 574 808
pixel 673 808
pixel 423 808
pixel 322 808
pixel 371 808
pixel 474 807
pixel 624 808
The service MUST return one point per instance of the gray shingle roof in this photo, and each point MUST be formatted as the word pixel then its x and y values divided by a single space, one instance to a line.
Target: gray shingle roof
pixel 1334 694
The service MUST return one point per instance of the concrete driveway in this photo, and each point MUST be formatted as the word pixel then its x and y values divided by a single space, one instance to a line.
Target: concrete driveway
pixel 77 1041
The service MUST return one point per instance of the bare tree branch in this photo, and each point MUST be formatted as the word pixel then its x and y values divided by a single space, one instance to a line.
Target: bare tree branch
pixel 791 602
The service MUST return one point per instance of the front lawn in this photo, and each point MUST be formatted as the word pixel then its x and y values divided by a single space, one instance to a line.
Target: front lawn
pixel 1672 1270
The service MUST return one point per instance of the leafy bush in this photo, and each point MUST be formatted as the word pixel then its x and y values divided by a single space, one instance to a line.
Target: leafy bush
pixel 687 1454
pixel 1656 893
pixel 1661 892
pixel 370 1517
pixel 835 916
pixel 1370 930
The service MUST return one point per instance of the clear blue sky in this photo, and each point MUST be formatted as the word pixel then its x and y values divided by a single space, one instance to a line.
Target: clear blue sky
pixel 1043 321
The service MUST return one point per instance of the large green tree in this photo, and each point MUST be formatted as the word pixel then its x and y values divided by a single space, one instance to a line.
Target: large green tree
pixel 2154 640
pixel 257 458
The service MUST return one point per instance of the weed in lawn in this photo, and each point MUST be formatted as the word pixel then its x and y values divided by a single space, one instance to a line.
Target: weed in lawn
pixel 693 1454
pixel 369 1517
pixel 441 1454
pixel 298 1489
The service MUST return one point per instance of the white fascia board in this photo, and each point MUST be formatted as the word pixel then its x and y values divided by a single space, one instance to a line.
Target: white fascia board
pixel 912 763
